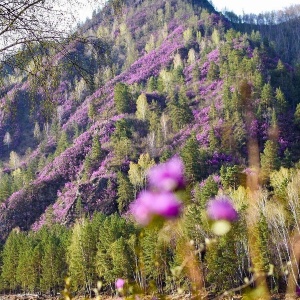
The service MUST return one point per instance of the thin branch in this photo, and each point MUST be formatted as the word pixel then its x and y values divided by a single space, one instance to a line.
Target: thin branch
pixel 18 16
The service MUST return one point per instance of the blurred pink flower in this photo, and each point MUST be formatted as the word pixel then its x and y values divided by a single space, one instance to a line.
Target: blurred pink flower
pixel 167 176
pixel 221 208
pixel 119 283
pixel 149 204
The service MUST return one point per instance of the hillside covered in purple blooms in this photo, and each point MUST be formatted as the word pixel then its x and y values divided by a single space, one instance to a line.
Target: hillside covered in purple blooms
pixel 158 79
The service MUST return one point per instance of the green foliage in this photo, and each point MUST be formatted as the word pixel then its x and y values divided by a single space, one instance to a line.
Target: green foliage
pixel 154 258
pixel 222 262
pixel 179 110
pixel 81 255
pixel 53 261
pixel 213 71
pixel 231 176
pixel 93 158
pixel 92 111
pixel 10 258
pixel 297 114
pixel 269 159
pixel 123 98
pixel 123 129
pixel 138 172
pixel 114 254
pixel 62 144
pixel 5 186
pixel 190 155
pixel 208 189
pixel 124 193
pixel 142 107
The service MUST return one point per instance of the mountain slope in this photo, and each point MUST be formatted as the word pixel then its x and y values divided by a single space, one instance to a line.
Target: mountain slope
pixel 194 72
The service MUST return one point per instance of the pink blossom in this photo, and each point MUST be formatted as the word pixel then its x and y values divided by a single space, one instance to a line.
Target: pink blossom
pixel 119 283
pixel 148 204
pixel 167 176
pixel 221 208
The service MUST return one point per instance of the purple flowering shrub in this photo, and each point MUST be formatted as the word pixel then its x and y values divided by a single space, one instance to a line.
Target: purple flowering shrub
pixel 221 208
pixel 161 199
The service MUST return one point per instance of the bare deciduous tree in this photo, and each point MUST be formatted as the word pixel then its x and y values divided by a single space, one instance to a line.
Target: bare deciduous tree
pixel 35 25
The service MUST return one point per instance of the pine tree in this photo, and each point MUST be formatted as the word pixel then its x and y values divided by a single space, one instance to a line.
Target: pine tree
pixel 205 192
pixel 125 192
pixel 11 253
pixel 154 258
pixel 190 155
pixel 179 111
pixel 26 273
pixel 92 112
pixel 5 186
pixel 213 71
pixel 269 159
pixel 53 262
pixel 151 84
pixel 121 256
pixel 81 256
pixel 266 96
pixel 63 143
pixel 230 176
pixel 281 103
pixel 123 98
pixel 93 158
pixel 113 255
pixel 222 263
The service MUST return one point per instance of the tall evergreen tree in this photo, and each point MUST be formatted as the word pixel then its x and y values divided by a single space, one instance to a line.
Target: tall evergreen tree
pixel 11 254
pixel 125 192
pixel 190 155
pixel 123 98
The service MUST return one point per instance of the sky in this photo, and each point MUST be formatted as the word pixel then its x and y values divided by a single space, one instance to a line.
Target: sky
pixel 237 6
pixel 252 6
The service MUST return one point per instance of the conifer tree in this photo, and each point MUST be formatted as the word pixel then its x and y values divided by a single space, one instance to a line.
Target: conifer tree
pixel 269 159
pixel 27 275
pixel 266 96
pixel 190 155
pixel 108 263
pixel 222 263
pixel 93 158
pixel 62 144
pixel 123 266
pixel 123 98
pixel 213 71
pixel 154 258
pixel 11 253
pixel 151 84
pixel 81 256
pixel 281 103
pixel 125 192
pixel 54 266
pixel 5 186
pixel 179 111
pixel 92 111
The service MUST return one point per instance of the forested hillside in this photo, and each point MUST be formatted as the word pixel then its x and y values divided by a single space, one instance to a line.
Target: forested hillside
pixel 163 85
